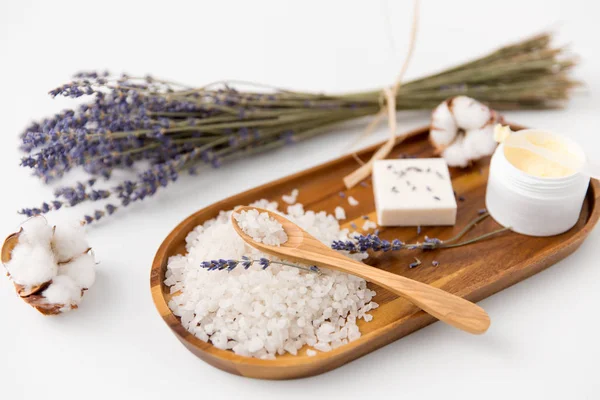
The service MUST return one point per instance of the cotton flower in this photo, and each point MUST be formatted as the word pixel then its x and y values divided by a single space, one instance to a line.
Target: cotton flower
pixel 32 265
pixel 64 291
pixel 462 130
pixel 69 241
pixel 51 267
pixel 81 270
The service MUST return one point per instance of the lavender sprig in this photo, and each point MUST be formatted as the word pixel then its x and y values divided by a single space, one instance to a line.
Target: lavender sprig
pixel 362 243
pixel 246 262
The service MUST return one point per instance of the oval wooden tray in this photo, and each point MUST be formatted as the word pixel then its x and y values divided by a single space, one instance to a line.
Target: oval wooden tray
pixel 509 258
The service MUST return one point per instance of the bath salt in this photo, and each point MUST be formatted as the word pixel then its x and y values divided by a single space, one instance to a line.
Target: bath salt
pixel 340 213
pixel 258 312
pixel 368 225
pixel 261 227
pixel 352 201
pixel 292 197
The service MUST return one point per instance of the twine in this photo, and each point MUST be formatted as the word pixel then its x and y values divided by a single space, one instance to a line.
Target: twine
pixel 388 107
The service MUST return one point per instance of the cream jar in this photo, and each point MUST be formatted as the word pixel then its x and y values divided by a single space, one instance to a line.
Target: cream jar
pixel 534 196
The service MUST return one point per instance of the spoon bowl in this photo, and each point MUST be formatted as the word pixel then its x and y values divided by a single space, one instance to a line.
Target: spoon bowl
pixel 303 248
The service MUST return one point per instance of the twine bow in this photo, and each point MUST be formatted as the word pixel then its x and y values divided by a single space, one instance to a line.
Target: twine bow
pixel 388 107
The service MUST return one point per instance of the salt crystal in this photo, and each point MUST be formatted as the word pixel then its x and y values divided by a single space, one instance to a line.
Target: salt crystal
pixel 321 346
pixel 254 344
pixel 292 197
pixel 369 225
pixel 261 227
pixel 340 213
pixel 352 201
pixel 311 353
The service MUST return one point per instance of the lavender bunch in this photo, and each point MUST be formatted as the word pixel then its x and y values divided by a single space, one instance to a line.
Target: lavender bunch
pixel 132 121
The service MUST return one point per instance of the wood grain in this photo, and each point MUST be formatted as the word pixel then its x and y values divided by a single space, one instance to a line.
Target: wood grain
pixel 473 272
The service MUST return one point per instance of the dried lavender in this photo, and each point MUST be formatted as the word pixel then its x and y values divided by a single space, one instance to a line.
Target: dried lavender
pixel 362 243
pixel 177 129
pixel 245 262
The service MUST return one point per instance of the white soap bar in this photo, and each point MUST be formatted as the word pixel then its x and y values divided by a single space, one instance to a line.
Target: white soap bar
pixel 413 191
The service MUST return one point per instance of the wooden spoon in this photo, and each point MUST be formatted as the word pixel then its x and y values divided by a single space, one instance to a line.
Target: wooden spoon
pixel 303 248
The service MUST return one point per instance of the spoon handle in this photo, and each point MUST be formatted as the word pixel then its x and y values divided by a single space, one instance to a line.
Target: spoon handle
pixel 451 309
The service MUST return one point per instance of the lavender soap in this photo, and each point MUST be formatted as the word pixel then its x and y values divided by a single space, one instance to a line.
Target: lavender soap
pixel 412 192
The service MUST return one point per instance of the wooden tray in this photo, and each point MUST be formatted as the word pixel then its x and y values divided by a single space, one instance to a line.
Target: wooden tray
pixel 474 272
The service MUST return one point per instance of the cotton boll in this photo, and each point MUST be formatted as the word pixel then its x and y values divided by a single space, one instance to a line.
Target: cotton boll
pixel 455 155
pixel 69 241
pixel 63 290
pixel 443 127
pixel 469 113
pixel 462 129
pixel 36 231
pixel 43 280
pixel 479 143
pixel 31 264
pixel 81 270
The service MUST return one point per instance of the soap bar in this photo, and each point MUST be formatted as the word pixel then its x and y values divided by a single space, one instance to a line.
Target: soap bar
pixel 413 191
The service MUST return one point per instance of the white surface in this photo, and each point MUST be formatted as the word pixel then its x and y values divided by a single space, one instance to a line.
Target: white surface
pixel 408 197
pixel 543 339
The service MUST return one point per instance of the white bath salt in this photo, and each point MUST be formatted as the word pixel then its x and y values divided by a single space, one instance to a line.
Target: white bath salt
pixel 261 227
pixel 263 313
pixel 340 213
pixel 292 197
pixel 368 225
pixel 311 353
pixel 352 201
pixel 58 256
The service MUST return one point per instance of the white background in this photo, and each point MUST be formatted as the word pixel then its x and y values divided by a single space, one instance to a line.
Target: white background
pixel 543 342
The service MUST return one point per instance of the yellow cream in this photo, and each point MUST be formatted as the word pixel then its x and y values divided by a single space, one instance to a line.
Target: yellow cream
pixel 536 165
